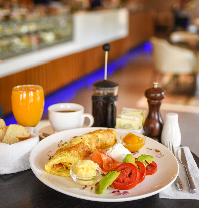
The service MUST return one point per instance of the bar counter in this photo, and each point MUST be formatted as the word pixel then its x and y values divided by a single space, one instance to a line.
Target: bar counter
pixel 59 65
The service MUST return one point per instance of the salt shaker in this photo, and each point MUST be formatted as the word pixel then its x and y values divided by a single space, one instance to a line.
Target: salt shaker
pixel 171 130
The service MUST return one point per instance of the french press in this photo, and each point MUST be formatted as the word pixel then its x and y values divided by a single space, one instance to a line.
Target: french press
pixel 104 97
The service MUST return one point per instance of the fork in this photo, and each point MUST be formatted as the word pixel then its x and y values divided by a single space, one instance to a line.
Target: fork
pixel 177 181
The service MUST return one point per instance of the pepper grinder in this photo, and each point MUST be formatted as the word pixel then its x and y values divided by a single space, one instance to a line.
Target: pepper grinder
pixel 153 124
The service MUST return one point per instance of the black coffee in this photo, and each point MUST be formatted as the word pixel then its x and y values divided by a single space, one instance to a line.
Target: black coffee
pixel 66 111
pixel 104 115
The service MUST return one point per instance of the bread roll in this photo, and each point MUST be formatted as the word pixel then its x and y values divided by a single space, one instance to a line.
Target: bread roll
pixel 2 132
pixel 2 123
pixel 15 133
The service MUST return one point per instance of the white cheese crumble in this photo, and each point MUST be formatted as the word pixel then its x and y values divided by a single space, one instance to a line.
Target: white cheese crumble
pixel 118 152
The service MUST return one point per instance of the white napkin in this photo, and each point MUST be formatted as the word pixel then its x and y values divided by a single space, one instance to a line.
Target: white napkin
pixel 15 157
pixel 171 192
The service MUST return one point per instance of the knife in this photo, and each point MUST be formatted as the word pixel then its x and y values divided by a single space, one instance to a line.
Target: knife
pixel 183 161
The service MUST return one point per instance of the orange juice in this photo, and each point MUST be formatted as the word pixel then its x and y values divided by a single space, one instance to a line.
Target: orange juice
pixel 28 104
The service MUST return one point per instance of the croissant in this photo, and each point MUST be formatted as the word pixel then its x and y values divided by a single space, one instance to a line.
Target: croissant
pixel 78 148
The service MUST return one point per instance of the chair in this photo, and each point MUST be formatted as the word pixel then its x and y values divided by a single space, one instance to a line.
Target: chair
pixel 174 60
pixel 183 36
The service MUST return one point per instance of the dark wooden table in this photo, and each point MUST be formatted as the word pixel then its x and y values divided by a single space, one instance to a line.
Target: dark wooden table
pixel 24 190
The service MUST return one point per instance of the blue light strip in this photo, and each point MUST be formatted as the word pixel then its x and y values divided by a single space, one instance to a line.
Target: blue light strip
pixel 68 92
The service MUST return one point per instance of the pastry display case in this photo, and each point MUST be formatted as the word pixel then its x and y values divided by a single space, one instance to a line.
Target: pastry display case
pixel 19 37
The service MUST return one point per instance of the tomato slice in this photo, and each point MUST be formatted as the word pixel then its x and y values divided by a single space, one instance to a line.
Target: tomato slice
pixel 128 177
pixel 151 168
pixel 105 162
pixel 142 170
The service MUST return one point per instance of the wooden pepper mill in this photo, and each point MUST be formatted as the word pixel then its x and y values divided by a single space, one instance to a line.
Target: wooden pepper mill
pixel 153 124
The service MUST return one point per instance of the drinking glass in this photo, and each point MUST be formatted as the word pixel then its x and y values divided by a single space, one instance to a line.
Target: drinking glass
pixel 27 104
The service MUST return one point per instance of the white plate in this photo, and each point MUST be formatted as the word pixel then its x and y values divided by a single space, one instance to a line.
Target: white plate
pixel 167 169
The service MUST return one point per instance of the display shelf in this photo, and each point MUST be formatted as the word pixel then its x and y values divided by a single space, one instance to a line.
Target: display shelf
pixel 19 37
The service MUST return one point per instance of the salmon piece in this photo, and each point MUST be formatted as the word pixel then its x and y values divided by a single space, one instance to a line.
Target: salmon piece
pixel 105 162
pixel 108 163
pixel 96 157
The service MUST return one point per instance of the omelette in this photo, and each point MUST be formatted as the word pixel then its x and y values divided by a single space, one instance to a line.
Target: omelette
pixel 78 148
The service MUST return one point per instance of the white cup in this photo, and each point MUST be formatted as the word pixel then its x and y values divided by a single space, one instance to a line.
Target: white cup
pixel 71 116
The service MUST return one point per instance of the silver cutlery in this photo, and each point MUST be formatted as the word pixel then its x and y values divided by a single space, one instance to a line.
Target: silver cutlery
pixel 177 181
pixel 183 161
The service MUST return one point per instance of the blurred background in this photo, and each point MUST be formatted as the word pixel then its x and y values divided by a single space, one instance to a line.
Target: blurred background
pixel 58 45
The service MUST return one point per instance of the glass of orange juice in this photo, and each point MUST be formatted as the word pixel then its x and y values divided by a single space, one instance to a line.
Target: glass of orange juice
pixel 28 104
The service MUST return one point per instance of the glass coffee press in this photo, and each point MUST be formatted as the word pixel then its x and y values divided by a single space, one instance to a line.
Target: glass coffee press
pixel 104 97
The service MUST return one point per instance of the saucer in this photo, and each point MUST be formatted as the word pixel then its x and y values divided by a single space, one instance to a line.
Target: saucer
pixel 44 126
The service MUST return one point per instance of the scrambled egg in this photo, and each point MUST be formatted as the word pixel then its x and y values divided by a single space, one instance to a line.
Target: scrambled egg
pixel 85 168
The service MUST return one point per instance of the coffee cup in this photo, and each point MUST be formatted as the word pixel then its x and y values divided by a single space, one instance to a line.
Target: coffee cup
pixel 63 116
